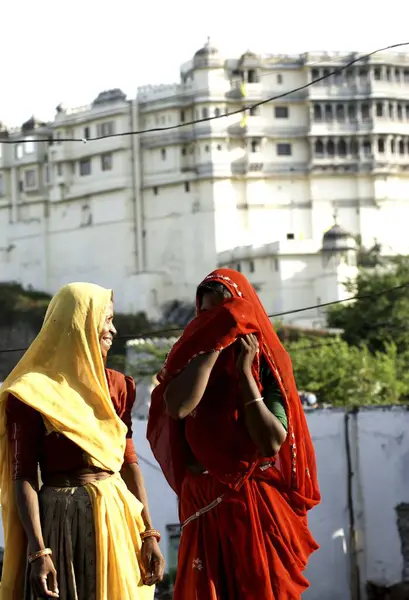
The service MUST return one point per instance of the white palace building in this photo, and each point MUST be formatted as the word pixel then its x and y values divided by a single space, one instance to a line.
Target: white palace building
pixel 283 194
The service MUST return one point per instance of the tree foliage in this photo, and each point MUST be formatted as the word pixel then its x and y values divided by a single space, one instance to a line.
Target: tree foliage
pixel 340 374
pixel 381 314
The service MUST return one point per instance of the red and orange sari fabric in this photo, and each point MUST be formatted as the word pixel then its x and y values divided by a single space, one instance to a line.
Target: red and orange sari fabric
pixel 244 525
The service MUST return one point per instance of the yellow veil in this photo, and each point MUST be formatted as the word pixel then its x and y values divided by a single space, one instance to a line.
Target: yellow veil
pixel 61 376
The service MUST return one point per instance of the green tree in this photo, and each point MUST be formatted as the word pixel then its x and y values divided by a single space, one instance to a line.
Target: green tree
pixel 379 317
pixel 340 374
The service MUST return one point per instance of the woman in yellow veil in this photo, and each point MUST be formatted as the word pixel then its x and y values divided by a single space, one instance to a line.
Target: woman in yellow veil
pixel 84 534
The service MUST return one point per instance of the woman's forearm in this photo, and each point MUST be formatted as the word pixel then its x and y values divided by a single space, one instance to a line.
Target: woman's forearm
pixel 132 475
pixel 264 428
pixel 29 512
pixel 184 393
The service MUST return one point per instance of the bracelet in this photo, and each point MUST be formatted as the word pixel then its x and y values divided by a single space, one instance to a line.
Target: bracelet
pixel 39 554
pixel 253 401
pixel 151 533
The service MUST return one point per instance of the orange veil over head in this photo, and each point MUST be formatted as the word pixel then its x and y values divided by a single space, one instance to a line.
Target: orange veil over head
pixel 216 434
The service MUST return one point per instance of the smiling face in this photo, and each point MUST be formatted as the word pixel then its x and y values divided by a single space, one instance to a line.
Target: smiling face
pixel 108 331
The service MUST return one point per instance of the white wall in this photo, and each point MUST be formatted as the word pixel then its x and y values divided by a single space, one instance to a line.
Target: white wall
pixel 381 468
pixel 379 443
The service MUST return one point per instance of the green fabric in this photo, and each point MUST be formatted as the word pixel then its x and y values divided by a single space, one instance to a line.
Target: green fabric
pixel 272 395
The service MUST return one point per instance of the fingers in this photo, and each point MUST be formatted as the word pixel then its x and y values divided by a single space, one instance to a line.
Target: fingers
pixel 53 585
pixel 250 341
pixel 42 589
pixel 156 575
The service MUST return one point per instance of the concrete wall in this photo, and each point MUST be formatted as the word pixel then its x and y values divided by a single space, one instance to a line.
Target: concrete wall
pixel 370 483
pixel 363 463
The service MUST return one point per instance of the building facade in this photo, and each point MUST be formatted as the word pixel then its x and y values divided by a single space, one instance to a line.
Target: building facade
pixel 151 214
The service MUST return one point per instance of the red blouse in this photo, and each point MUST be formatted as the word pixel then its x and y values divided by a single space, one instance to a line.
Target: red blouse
pixel 55 453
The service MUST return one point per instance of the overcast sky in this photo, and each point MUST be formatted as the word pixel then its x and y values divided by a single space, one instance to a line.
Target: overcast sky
pixel 68 52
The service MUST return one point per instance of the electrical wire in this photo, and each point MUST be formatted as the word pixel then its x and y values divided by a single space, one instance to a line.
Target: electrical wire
pixel 177 330
pixel 241 110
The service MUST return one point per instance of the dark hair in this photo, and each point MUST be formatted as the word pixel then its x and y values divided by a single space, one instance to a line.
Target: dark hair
pixel 215 287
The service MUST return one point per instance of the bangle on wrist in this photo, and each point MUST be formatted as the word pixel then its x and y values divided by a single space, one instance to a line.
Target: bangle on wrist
pixel 39 554
pixel 253 401
pixel 151 533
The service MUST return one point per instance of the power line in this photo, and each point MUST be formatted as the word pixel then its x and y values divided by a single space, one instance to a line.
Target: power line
pixel 223 115
pixel 155 333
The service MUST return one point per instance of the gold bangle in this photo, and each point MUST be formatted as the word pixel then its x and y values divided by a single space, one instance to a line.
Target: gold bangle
pixel 253 401
pixel 151 533
pixel 39 554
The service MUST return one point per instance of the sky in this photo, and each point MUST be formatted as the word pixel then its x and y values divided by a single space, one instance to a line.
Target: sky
pixel 67 52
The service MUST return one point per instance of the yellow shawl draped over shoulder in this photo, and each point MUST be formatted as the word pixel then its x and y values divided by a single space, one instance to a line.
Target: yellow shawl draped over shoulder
pixel 62 377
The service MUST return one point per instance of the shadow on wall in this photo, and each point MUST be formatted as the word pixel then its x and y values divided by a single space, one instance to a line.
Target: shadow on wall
pixel 399 591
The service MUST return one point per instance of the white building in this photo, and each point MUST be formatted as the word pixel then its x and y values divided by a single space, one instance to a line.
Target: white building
pixel 151 214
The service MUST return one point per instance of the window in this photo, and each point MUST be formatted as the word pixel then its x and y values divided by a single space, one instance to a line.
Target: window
pixel 19 151
pixel 284 150
pixel 1 184
pixel 365 111
pixel 342 147
pixel 401 147
pixel 352 112
pixel 377 74
pixel 290 236
pixel 85 167
pixel 29 146
pixel 219 147
pixel 251 266
pixel 46 174
pixel 381 145
pixel 400 112
pixel 253 112
pixel 73 167
pixel 340 112
pixel 279 78
pixel 319 148
pixel 252 76
pixel 30 179
pixel 317 112
pixel 187 186
pixel 104 129
pixel 163 153
pixel 106 162
pixel 182 116
pixel 217 112
pixel 87 133
pixel 255 146
pixel 205 113
pixel 184 151
pixel 59 169
pixel 207 148
pixel 155 191
pixel 281 112
pixel 330 148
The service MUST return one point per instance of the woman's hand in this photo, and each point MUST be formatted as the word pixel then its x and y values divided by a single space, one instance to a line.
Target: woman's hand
pixel 249 349
pixel 43 578
pixel 153 563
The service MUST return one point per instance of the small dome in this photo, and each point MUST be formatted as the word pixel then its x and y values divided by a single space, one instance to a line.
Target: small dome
pixel 204 55
pixel 338 239
pixel 207 50
pixel 249 57
pixel 109 96
pixel 32 124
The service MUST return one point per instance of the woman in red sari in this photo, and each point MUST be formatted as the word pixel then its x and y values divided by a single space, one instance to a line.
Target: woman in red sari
pixel 227 427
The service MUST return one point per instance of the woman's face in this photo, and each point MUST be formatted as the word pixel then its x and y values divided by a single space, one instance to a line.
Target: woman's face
pixel 108 331
pixel 211 300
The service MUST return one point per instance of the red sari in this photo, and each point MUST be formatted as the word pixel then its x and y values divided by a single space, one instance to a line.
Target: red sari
pixel 244 522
